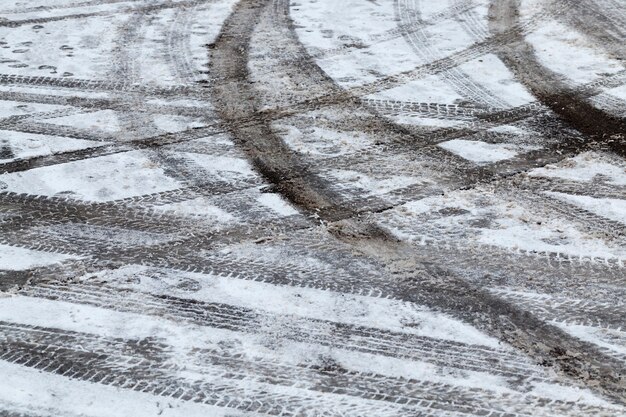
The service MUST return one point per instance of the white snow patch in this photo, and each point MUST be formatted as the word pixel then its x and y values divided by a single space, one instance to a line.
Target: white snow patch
pixel 172 124
pixel 427 372
pixel 28 145
pixel 570 394
pixel 362 66
pixel 323 142
pixel 417 120
pixel 225 168
pixel 104 120
pixel 510 129
pixel 554 235
pixel 610 208
pixel 276 203
pixel 72 47
pixel 482 152
pixel 422 371
pixel 446 38
pixel 596 336
pixel 507 224
pixel 329 25
pixel 17 108
pixel 103 178
pixel 200 206
pixel 22 387
pixel 619 92
pixel 13 258
pixel 373 185
pixel 54 92
pixel 305 302
pixel 429 89
pixel 182 102
pixel 183 338
pixel 585 167
pixel 567 52
pixel 490 72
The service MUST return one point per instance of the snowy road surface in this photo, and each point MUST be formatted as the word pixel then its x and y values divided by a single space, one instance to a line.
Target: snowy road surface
pixel 312 208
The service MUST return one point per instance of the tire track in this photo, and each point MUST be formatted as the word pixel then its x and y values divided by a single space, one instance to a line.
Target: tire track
pixel 99 150
pixel 606 30
pixel 70 5
pixel 82 85
pixel 430 110
pixel 94 104
pixel 489 120
pixel 346 336
pixel 138 9
pixel 141 365
pixel 472 24
pixel 571 311
pixel 271 156
pixel 235 99
pixel 227 363
pixel 51 129
pixel 178 51
pixel 602 129
pixel 408 14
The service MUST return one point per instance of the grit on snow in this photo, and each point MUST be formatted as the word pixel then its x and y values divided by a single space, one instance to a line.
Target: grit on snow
pixel 356 208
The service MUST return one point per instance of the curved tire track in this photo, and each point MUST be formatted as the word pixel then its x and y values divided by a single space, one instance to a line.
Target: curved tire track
pixel 602 129
pixel 579 361
pixel 412 25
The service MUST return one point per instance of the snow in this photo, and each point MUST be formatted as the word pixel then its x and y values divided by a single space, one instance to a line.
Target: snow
pixel 179 102
pixel 362 66
pixel 568 53
pixel 318 141
pixel 211 185
pixel 172 124
pixel 31 391
pixel 556 236
pixel 429 89
pixel 447 38
pixel 47 9
pixel 325 25
pixel 619 92
pixel 184 338
pixel 277 204
pixel 223 168
pixel 329 26
pixel 13 258
pixel 199 206
pixel 586 167
pixel 80 47
pixel 103 120
pixel 429 9
pixel 309 303
pixel 598 336
pixel 417 120
pixel 28 145
pixel 17 108
pixel 103 178
pixel 490 72
pixel 373 185
pixel 487 218
pixel 610 208
pixel 482 152
pixel 40 90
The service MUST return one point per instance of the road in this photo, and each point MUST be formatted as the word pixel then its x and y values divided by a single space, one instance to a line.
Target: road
pixel 312 208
